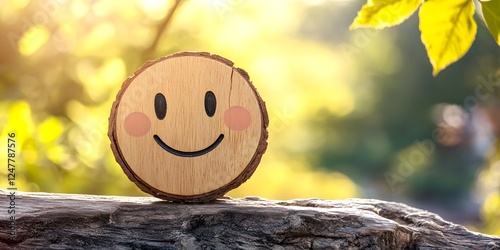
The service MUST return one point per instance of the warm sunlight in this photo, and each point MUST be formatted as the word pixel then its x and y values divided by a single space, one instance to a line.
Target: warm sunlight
pixel 347 108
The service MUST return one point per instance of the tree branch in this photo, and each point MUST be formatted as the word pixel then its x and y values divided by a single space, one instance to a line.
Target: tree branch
pixel 161 29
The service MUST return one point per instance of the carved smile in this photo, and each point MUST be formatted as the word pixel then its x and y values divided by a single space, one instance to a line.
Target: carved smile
pixel 188 154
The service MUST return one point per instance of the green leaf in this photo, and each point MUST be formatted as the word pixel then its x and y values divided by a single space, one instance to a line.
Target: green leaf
pixel 448 30
pixel 491 14
pixel 384 13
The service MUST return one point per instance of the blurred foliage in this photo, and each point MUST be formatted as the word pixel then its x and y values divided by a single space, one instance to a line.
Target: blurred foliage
pixel 352 114
pixel 448 27
pixel 491 187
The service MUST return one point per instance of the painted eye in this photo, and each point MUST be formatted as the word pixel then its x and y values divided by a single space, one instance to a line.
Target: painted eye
pixel 210 103
pixel 160 106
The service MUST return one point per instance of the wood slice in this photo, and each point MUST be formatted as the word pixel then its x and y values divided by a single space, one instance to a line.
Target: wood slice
pixel 188 127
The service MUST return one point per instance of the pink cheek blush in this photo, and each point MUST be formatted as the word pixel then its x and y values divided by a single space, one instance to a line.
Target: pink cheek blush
pixel 137 124
pixel 237 118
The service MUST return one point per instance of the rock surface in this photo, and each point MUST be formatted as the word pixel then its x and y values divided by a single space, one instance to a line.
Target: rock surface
pixel 65 221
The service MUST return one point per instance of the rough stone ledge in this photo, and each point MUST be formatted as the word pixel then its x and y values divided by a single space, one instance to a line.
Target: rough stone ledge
pixel 67 221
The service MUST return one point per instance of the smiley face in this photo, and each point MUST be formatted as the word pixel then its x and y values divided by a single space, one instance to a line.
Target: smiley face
pixel 188 127
pixel 210 107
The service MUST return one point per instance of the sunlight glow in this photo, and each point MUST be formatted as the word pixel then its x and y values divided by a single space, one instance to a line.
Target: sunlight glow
pixel 9 10
pixel 79 8
pixel 154 9
pixel 33 39
pixel 290 180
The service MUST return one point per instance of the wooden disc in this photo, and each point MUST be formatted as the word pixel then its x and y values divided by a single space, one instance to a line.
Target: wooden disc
pixel 188 127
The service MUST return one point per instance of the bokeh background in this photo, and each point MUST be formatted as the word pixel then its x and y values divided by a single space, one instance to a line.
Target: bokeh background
pixel 352 113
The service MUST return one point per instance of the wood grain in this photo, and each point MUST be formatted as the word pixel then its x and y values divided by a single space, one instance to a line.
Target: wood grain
pixel 184 79
pixel 65 221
